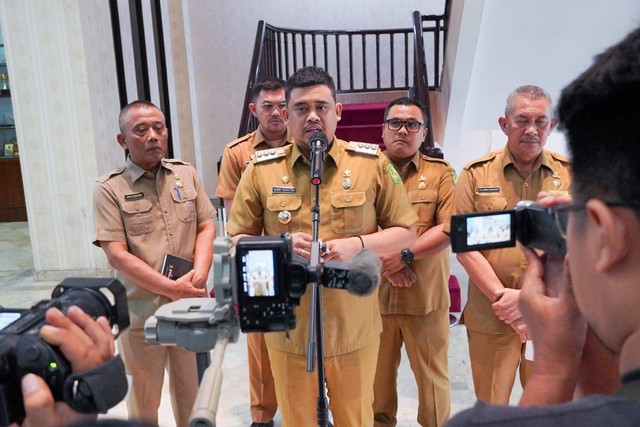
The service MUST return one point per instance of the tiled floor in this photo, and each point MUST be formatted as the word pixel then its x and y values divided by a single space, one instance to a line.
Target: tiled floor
pixel 18 290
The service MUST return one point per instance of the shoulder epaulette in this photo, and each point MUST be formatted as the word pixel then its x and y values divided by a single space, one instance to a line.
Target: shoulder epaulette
pixel 363 147
pixel 483 159
pixel 559 157
pixel 268 154
pixel 239 140
pixel 110 174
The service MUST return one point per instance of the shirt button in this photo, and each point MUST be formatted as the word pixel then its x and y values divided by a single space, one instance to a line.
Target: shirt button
pixel 526 184
pixel 283 204
pixel 347 199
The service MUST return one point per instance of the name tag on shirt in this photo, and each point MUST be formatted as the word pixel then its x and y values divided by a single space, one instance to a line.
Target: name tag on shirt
pixel 134 196
pixel 488 190
pixel 283 190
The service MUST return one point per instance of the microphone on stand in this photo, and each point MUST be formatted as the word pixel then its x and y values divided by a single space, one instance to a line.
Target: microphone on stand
pixel 318 144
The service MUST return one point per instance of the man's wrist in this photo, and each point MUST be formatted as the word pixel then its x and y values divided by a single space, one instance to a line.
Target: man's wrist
pixel 407 256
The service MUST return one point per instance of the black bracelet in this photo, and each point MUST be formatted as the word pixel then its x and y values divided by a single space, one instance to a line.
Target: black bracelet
pixel 361 241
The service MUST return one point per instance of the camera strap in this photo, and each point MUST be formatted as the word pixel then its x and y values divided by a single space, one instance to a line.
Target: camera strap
pixel 97 389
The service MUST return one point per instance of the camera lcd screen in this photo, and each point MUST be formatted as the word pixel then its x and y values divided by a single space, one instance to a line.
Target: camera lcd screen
pixel 483 230
pixel 7 317
pixel 259 274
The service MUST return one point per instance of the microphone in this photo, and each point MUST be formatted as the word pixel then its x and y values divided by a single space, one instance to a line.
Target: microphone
pixel 318 144
pixel 360 277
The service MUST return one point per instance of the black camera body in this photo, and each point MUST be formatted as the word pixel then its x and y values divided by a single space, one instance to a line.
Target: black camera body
pixel 529 223
pixel 23 351
pixel 270 280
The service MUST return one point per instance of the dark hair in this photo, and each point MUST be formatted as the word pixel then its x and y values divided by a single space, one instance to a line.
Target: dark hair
pixel 405 100
pixel 599 112
pixel 309 76
pixel 268 84
pixel 129 106
pixel 530 92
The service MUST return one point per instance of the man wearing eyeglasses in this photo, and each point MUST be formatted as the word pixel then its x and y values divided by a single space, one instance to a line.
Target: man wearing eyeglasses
pixel 496 333
pixel 596 285
pixel 413 296
pixel 266 105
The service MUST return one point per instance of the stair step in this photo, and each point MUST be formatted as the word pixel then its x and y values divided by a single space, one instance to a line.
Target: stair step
pixel 358 114
pixel 363 133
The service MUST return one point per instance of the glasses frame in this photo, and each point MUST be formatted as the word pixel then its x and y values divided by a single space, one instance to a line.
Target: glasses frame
pixel 269 108
pixel 556 211
pixel 404 124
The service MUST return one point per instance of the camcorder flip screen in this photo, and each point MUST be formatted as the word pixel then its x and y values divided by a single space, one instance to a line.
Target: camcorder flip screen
pixel 483 230
pixel 259 275
pixel 8 316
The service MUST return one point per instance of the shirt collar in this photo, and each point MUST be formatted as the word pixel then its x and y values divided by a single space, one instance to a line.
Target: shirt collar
pixel 542 160
pixel 136 172
pixel 333 152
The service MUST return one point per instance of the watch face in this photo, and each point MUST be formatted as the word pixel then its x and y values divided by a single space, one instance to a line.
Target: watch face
pixel 406 256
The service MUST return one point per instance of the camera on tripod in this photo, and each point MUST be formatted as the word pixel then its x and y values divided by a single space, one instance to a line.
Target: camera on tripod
pixel 270 280
pixel 23 351
pixel 529 223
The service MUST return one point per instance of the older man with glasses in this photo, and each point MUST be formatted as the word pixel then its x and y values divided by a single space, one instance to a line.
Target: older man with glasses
pixel 496 333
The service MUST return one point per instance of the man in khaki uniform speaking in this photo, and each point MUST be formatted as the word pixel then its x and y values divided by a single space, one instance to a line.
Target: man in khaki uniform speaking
pixel 414 296
pixel 497 181
pixel 149 208
pixel 362 204
pixel 267 104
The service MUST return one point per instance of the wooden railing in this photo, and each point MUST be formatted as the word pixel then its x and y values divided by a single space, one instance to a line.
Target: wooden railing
pixel 360 61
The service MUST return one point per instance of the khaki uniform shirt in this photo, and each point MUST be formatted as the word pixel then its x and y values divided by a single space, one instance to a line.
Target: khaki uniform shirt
pixel 430 185
pixel 492 183
pixel 361 191
pixel 235 160
pixel 155 215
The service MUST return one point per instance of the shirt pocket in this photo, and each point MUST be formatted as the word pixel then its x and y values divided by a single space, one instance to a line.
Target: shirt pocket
pixel 282 213
pixel 424 205
pixel 138 218
pixel 184 202
pixel 489 202
pixel 347 211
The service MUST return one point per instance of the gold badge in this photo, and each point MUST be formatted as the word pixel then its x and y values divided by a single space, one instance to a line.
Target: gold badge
pixel 177 177
pixel 284 217
pixel 556 175
pixel 285 179
pixel 556 184
pixel 422 186
pixel 179 184
pixel 346 184
pixel 346 173
pixel 422 178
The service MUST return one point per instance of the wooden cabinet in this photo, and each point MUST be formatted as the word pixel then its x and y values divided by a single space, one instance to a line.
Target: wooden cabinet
pixel 12 203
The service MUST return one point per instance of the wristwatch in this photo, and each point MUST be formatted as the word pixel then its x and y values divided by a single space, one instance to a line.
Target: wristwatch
pixel 406 256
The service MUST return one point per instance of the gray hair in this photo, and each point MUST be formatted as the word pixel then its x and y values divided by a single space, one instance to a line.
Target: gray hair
pixel 527 91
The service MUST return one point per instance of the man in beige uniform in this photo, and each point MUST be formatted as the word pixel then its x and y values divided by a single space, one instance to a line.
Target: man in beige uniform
pixel 414 297
pixel 361 192
pixel 152 207
pixel 266 105
pixel 497 181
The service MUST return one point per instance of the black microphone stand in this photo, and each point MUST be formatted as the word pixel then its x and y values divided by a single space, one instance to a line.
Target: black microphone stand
pixel 315 348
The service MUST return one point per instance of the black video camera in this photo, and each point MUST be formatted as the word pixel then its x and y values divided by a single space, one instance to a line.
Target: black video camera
pixel 529 223
pixel 23 351
pixel 270 280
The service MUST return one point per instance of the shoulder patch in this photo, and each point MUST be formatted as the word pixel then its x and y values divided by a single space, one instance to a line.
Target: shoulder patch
pixel 269 154
pixel 363 147
pixel 393 173
pixel 111 174
pixel 239 140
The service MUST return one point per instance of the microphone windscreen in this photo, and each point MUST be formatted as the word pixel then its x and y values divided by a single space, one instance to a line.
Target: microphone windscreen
pixel 364 273
pixel 318 137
